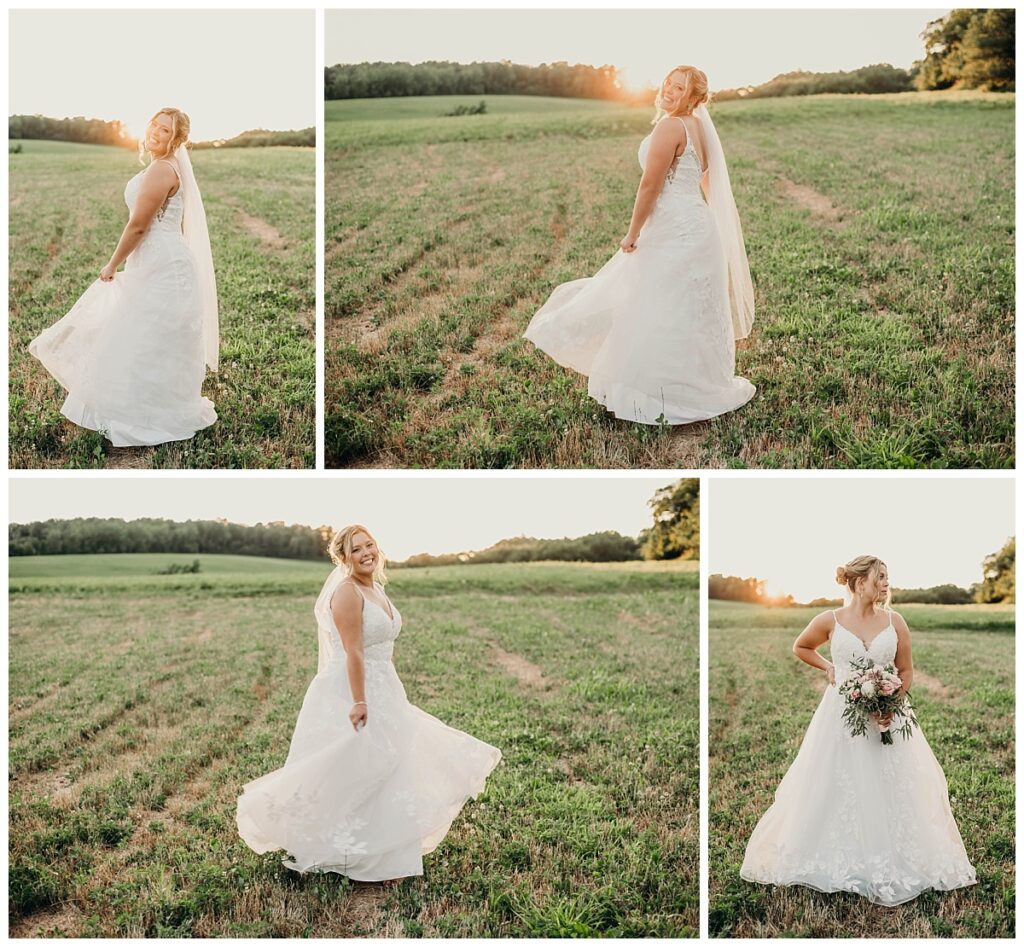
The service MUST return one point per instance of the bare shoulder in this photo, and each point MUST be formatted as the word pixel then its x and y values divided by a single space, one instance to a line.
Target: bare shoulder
pixel 161 170
pixel 159 179
pixel 346 596
pixel 823 620
pixel 818 630
pixel 899 623
pixel 669 131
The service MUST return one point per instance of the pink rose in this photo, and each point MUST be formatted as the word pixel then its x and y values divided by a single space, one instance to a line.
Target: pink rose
pixel 887 688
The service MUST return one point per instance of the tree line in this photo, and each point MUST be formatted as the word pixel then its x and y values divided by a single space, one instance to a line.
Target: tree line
pixel 674 533
pixel 607 546
pixel 867 80
pixel 373 80
pixel 96 131
pixel 966 49
pixel 92 131
pixel 997 585
pixel 95 535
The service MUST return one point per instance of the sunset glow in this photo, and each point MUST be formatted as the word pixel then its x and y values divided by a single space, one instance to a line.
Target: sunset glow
pixel 125 64
pixel 408 515
pixel 734 47
pixel 794 533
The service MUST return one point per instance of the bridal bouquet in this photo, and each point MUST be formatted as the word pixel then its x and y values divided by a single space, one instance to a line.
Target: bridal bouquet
pixel 875 689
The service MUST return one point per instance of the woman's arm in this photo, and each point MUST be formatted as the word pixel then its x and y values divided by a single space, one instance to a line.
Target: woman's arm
pixel 810 639
pixel 904 659
pixel 157 183
pixel 665 140
pixel 347 609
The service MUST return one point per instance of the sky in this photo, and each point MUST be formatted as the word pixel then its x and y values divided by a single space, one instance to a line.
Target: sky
pixel 794 533
pixel 407 515
pixel 734 47
pixel 228 70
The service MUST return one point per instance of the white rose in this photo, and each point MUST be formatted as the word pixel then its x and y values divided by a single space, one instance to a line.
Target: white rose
pixel 868 689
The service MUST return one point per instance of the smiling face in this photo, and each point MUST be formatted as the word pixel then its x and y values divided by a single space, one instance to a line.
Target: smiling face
pixel 159 134
pixel 364 556
pixel 673 89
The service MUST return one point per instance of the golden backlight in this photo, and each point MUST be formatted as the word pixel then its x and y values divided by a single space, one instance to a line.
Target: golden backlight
pixel 793 533
pixel 230 70
pixel 407 515
pixel 734 47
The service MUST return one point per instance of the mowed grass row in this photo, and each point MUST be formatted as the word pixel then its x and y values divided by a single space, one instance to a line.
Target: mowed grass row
pixel 761 701
pixel 880 232
pixel 66 214
pixel 136 717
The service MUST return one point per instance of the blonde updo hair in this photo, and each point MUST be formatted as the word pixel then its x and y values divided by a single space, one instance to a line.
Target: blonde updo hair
pixel 340 550
pixel 180 127
pixel 858 569
pixel 696 92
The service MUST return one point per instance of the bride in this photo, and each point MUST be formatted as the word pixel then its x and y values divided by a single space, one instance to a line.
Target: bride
pixel 131 351
pixel 371 783
pixel 655 330
pixel 853 814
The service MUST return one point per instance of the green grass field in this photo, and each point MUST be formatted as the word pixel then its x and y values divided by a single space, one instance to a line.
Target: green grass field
pixel 880 232
pixel 138 711
pixel 66 214
pixel 964 699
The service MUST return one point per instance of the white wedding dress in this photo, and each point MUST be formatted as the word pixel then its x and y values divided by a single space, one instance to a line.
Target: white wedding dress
pixel 130 353
pixel 652 329
pixel 853 814
pixel 367 804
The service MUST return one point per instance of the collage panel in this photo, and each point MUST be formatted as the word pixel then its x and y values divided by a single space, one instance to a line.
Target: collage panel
pixel 861 668
pixel 646 239
pixel 162 239
pixel 490 730
pixel 380 609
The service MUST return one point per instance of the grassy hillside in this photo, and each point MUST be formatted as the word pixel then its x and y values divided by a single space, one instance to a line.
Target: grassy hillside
pixel 66 214
pixel 131 740
pixel 880 231
pixel 964 699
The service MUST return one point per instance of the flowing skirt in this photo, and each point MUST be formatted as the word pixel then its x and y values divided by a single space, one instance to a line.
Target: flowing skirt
pixel 130 352
pixel 367 804
pixel 652 329
pixel 852 814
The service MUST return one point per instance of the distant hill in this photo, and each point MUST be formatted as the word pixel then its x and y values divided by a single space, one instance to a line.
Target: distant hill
pixel 97 131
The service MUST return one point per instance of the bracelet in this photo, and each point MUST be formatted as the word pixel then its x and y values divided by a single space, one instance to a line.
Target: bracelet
pixel 358 702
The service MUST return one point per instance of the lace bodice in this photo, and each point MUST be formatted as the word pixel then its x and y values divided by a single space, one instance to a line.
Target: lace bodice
pixel 845 646
pixel 379 630
pixel 168 218
pixel 684 174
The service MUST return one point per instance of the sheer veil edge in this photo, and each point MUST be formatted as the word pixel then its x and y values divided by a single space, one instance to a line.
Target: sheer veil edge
pixel 718 192
pixel 197 236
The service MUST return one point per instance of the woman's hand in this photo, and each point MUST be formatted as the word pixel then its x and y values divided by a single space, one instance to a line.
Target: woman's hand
pixel 628 243
pixel 108 273
pixel 357 716
pixel 830 673
pixel 884 721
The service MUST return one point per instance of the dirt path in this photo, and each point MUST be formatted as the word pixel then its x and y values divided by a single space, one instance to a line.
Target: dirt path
pixel 933 685
pixel 527 674
pixel 267 234
pixel 819 205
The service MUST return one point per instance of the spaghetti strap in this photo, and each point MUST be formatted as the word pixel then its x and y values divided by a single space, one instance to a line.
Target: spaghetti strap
pixel 691 142
pixel 177 173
